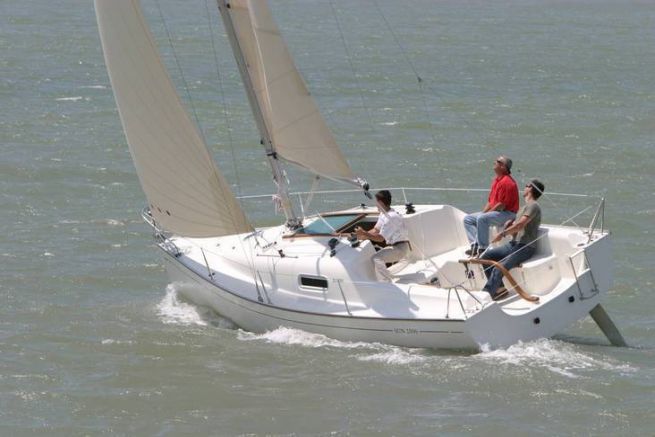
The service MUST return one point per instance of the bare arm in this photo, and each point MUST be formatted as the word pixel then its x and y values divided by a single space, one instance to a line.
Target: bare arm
pixel 373 234
pixel 513 228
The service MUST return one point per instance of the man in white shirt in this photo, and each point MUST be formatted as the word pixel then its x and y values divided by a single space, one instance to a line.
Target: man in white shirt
pixel 390 229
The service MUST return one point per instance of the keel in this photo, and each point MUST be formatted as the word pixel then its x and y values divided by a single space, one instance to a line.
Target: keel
pixel 606 325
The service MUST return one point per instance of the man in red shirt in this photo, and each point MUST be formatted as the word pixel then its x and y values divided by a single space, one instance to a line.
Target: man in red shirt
pixel 502 205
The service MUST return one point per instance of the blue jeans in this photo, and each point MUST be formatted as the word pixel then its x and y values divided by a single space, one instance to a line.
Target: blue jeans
pixel 512 254
pixel 477 225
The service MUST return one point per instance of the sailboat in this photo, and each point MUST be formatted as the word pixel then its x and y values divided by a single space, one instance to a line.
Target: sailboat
pixel 308 273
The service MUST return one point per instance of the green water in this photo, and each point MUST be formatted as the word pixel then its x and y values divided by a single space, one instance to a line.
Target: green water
pixel 93 342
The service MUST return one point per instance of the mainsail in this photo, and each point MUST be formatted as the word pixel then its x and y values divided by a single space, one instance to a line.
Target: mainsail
pixel 186 192
pixel 297 129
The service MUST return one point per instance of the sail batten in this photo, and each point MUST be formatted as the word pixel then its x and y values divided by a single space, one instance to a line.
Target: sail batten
pixel 186 192
pixel 293 120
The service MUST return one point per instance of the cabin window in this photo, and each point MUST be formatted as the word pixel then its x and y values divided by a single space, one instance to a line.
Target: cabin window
pixel 327 224
pixel 313 282
pixel 367 223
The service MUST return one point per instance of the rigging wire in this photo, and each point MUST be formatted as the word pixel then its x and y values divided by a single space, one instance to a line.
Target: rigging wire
pixel 550 199
pixel 179 67
pixel 475 128
pixel 184 81
pixel 223 99
pixel 190 99
pixel 355 77
pixel 422 85
pixel 419 79
pixel 352 66
pixel 247 253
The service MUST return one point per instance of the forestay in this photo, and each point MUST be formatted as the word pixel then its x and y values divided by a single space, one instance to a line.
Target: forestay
pixel 186 192
pixel 296 127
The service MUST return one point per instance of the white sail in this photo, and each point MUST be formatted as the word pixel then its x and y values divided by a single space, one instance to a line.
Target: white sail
pixel 186 193
pixel 297 128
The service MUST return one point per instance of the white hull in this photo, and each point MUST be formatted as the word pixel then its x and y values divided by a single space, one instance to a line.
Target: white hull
pixel 470 325
pixel 491 327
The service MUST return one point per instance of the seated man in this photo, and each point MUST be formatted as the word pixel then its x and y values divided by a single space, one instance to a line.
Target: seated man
pixel 502 204
pixel 391 229
pixel 523 245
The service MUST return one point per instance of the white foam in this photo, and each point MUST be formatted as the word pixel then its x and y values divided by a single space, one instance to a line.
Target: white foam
pixel 107 341
pixel 112 222
pixel 299 337
pixel 557 356
pixel 31 376
pixel 389 123
pixel 69 99
pixel 395 355
pixel 69 222
pixel 94 87
pixel 173 311
pixel 370 352
pixel 28 396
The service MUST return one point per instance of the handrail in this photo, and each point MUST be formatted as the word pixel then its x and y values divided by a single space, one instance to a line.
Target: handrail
pixel 598 215
pixel 159 234
pixel 209 270
pixel 506 274
pixel 343 296
pixel 577 275
pixel 461 305
pixel 150 220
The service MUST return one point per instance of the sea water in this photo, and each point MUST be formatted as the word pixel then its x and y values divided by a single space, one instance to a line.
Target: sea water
pixel 93 339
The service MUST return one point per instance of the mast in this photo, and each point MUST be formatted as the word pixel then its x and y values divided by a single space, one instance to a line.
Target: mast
pixel 292 220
